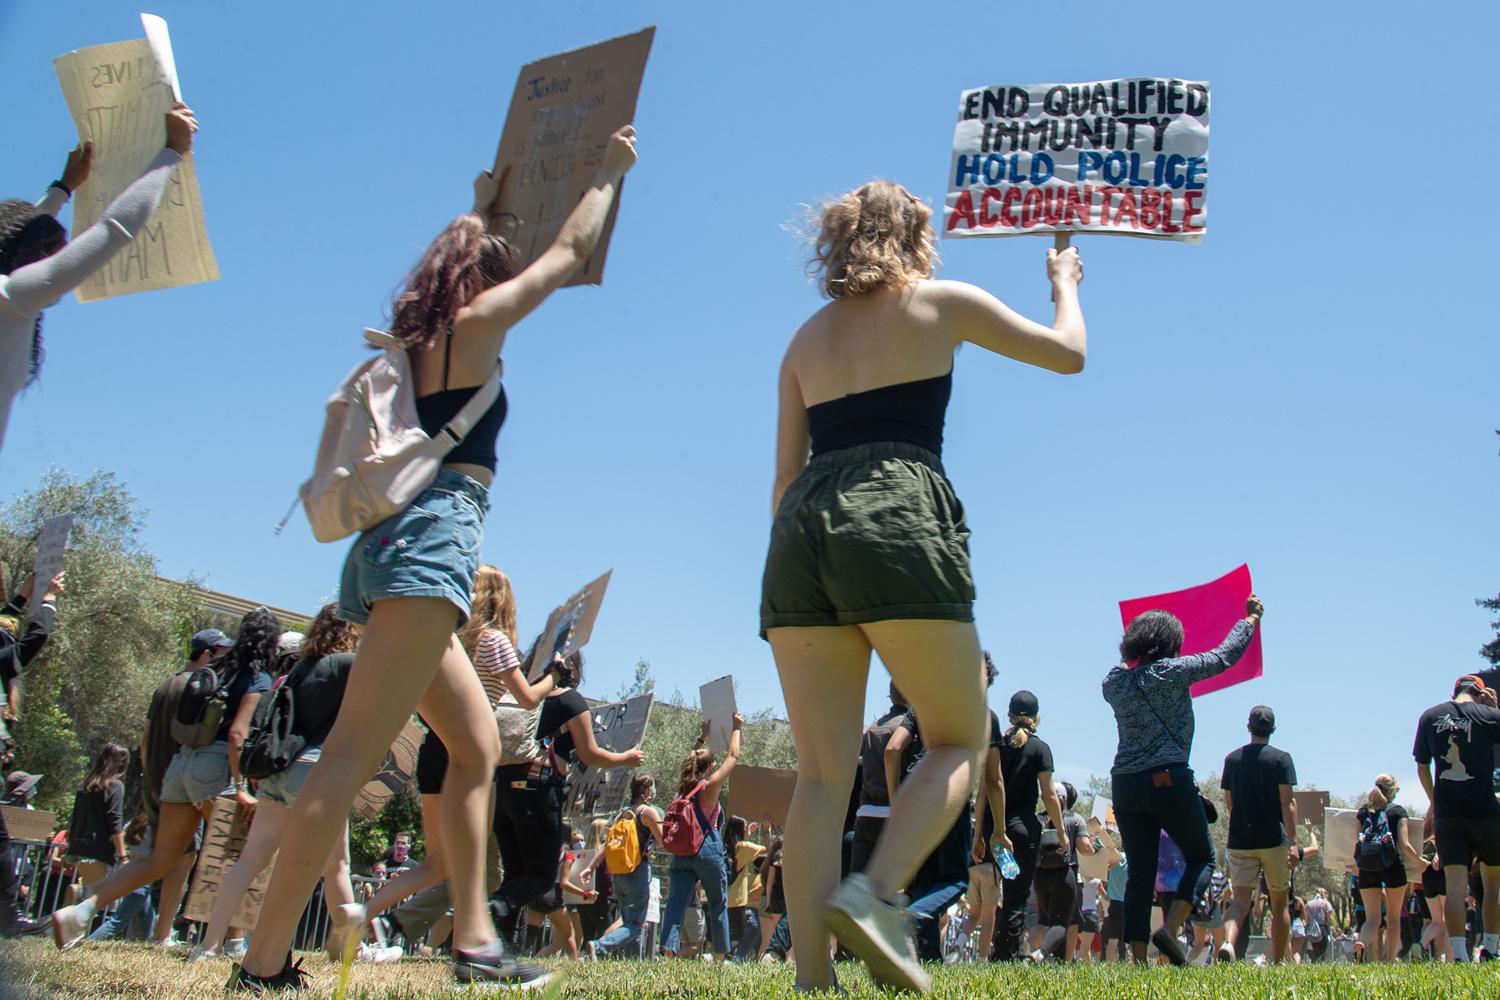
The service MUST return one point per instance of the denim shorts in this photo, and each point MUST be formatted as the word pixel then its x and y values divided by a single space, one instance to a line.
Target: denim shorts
pixel 197 774
pixel 430 549
pixel 282 787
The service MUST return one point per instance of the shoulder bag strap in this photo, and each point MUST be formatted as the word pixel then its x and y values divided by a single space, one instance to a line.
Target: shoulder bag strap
pixel 1140 686
pixel 468 415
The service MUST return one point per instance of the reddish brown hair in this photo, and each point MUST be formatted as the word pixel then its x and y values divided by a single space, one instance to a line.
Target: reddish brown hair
pixel 463 261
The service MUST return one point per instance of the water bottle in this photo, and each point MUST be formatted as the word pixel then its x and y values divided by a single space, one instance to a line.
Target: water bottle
pixel 1008 867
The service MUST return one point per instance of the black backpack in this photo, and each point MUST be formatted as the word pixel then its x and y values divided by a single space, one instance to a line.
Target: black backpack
pixel 1050 855
pixel 201 706
pixel 1376 850
pixel 272 746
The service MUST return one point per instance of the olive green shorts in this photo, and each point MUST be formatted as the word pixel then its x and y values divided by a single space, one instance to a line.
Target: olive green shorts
pixel 866 534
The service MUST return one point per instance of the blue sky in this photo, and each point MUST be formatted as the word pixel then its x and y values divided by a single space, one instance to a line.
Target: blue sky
pixel 1311 390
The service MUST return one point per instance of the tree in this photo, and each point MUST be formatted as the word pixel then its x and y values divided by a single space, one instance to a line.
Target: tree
pixel 119 629
pixel 640 683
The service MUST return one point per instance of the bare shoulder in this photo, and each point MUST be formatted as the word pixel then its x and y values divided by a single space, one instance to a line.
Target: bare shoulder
pixel 947 293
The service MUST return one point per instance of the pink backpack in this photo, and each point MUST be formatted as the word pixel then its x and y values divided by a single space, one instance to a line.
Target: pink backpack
pixel 682 831
pixel 374 457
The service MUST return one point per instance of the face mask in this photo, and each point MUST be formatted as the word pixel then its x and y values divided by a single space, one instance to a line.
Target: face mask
pixel 401 851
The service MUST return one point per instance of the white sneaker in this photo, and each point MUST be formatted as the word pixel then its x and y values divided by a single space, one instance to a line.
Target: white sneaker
pixel 234 948
pixel 346 925
pixel 377 954
pixel 70 924
pixel 168 943
pixel 877 932
pixel 202 954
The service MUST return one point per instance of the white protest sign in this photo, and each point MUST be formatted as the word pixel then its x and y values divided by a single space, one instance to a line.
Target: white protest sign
pixel 581 874
pixel 223 840
pixel 51 548
pixel 160 41
pixel 115 95
pixel 618 726
pixel 568 627
pixel 717 701
pixel 1340 833
pixel 1128 157
pixel 1104 811
pixel 653 902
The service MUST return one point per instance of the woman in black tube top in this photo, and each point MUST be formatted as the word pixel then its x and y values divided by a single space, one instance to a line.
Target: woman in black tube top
pixel 869 551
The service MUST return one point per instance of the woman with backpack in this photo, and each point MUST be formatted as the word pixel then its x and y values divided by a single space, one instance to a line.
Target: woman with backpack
pixel 96 835
pixel 1381 853
pixel 313 689
pixel 408 580
pixel 631 838
pixel 228 691
pixel 529 798
pixel 691 835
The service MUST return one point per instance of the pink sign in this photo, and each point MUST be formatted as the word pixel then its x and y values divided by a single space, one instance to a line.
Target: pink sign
pixel 1207 614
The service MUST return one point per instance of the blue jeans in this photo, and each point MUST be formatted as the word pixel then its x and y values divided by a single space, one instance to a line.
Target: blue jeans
pixel 926 910
pixel 707 867
pixel 633 894
pixel 781 939
pixel 747 945
pixel 133 917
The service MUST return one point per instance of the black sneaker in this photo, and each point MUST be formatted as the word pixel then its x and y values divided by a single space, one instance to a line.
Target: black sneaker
pixel 18 926
pixel 1485 955
pixel 1169 946
pixel 495 965
pixel 290 979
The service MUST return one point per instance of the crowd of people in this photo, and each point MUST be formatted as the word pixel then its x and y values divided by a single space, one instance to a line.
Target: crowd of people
pixel 955 836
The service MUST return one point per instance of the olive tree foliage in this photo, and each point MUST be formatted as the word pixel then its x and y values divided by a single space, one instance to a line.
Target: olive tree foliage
pixel 119 629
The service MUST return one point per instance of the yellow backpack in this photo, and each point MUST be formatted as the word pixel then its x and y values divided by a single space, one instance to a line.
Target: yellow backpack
pixel 622 851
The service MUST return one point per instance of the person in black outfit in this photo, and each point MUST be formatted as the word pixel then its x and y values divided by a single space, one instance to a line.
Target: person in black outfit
pixel 1257 783
pixel 1026 762
pixel 529 797
pixel 984 866
pixel 874 798
pixel 1058 893
pixel 96 835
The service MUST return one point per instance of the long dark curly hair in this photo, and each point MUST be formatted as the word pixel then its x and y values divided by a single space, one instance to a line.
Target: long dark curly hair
pixel 255 647
pixel 1151 636
pixel 463 261
pixel 27 235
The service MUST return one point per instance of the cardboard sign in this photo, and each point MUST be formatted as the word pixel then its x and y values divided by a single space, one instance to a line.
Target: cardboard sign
pixel 34 826
pixel 1097 865
pixel 116 96
pixel 395 772
pixel 1127 157
pixel 1311 806
pixel 51 549
pixel 618 726
pixel 580 873
pixel 758 792
pixel 1104 811
pixel 1207 614
pixel 223 840
pixel 568 627
pixel 563 111
pixel 1340 833
pixel 716 698
pixel 160 41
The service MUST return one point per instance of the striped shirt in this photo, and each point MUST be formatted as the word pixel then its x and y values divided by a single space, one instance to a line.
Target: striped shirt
pixel 494 658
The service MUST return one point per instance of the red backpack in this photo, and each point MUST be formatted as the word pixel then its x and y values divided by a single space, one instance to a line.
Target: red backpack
pixel 683 830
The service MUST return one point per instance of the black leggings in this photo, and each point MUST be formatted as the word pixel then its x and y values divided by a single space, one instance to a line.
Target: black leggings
pixel 528 826
pixel 1146 803
pixel 1025 834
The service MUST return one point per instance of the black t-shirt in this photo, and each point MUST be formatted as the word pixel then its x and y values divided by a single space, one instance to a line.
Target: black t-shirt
pixel 981 801
pixel 872 789
pixel 318 687
pixel 97 816
pixel 1021 765
pixel 245 682
pixel 1394 816
pixel 557 711
pixel 1461 738
pixel 913 752
pixel 1253 776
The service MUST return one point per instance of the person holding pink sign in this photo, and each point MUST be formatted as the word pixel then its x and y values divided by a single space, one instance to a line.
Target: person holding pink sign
pixel 1154 790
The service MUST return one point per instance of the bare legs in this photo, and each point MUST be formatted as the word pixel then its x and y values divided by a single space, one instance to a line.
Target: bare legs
pixel 174 834
pixel 408 654
pixel 260 847
pixel 823 672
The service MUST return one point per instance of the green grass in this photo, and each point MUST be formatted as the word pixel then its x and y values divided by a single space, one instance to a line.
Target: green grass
pixel 35 969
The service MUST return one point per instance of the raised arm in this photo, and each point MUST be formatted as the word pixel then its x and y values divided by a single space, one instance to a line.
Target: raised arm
pixel 581 726
pixel 974 315
pixel 36 286
pixel 1201 666
pixel 715 781
pixel 75 173
pixel 495 310
pixel 792 436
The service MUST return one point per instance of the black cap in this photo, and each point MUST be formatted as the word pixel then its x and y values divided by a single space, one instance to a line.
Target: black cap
pixel 1024 703
pixel 1262 720
pixel 209 638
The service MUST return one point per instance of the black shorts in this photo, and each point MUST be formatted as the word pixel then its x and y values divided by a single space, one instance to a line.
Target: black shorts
pixel 1088 921
pixel 432 765
pixel 1113 927
pixel 1461 839
pixel 1434 882
pixel 1393 877
pixel 1056 897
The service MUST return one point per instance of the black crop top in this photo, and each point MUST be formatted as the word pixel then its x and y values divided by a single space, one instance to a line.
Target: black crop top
pixel 912 412
pixel 434 411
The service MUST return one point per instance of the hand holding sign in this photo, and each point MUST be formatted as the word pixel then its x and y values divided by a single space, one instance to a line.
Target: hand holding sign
pixel 719 712
pixel 80 159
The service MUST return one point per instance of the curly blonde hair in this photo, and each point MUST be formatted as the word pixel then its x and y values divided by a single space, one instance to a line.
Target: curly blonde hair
pixel 329 634
pixel 880 235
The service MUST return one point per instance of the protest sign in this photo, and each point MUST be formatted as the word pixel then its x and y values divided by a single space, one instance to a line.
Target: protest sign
pixel 568 627
pixel 1340 832
pixel 118 97
pixel 619 726
pixel 1104 811
pixel 160 41
pixel 760 792
pixel 580 873
pixel 1128 157
pixel 395 771
pixel 34 826
pixel 1096 865
pixel 653 902
pixel 1207 614
pixel 223 840
pixel 1311 807
pixel 51 549
pixel 716 698
pixel 563 111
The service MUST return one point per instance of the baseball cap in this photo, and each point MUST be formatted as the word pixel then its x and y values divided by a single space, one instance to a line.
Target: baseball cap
pixel 290 643
pixel 1262 720
pixel 1024 703
pixel 1469 683
pixel 209 638
pixel 20 784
